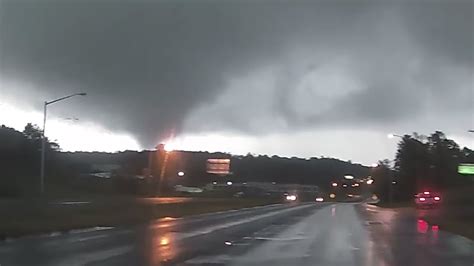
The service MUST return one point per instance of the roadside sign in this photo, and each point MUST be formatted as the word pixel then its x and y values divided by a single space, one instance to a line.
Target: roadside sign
pixel 466 168
pixel 218 166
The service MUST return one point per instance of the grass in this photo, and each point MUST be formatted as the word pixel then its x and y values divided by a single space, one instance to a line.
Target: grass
pixel 453 225
pixel 33 217
pixel 395 205
pixel 457 215
pixel 459 225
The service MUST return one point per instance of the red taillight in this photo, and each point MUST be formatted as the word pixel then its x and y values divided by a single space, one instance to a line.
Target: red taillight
pixel 426 192
pixel 437 198
pixel 422 199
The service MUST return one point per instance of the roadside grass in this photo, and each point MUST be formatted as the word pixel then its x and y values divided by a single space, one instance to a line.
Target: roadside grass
pixel 36 217
pixel 458 215
pixel 395 205
pixel 453 225
pixel 457 224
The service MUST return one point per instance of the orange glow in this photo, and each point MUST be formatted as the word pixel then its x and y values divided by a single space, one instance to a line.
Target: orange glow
pixel 162 248
pixel 168 147
pixel 164 241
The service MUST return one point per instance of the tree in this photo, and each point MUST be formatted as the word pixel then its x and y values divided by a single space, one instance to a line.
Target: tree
pixel 382 178
pixel 412 165
pixel 428 163
pixel 445 156
pixel 20 160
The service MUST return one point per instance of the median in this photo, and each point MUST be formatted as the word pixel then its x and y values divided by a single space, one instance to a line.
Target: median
pixel 26 217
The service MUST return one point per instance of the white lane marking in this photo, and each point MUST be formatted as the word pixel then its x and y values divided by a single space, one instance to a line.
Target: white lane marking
pixel 91 229
pixel 74 238
pixel 87 238
pixel 71 202
pixel 280 238
pixel 232 211
pixel 211 229
pixel 200 260
pixel 90 257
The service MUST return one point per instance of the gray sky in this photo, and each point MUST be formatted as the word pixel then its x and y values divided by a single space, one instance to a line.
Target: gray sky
pixel 289 77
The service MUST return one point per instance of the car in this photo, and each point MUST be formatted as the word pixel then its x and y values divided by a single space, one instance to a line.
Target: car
pixel 427 199
pixel 291 197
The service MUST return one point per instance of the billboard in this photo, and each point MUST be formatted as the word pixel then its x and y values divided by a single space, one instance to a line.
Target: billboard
pixel 218 166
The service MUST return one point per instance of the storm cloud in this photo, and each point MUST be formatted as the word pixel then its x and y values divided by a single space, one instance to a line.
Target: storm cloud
pixel 153 68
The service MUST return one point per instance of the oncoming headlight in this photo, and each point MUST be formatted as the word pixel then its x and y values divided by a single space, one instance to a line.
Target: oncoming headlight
pixel 291 197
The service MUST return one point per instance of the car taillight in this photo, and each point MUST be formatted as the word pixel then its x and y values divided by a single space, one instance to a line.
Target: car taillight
pixel 437 198
pixel 422 199
pixel 426 192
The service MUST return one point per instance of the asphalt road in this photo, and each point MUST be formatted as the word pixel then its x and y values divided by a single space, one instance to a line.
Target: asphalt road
pixel 304 234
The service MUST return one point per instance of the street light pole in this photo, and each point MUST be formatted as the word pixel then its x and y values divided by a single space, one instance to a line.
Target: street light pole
pixel 43 137
pixel 390 188
pixel 43 147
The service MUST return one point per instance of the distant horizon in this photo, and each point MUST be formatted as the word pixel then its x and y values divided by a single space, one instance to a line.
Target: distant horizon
pixel 386 141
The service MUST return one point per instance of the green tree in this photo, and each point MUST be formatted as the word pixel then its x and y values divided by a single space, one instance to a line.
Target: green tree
pixel 445 156
pixel 412 165
pixel 382 176
pixel 427 162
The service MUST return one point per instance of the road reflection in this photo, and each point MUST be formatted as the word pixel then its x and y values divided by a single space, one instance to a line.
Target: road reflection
pixel 161 242
pixel 165 200
pixel 406 231
pixel 422 226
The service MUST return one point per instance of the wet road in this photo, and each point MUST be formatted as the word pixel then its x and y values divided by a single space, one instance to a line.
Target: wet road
pixel 305 234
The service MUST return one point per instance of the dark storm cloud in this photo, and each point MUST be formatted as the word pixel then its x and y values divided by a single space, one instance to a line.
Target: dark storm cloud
pixel 150 66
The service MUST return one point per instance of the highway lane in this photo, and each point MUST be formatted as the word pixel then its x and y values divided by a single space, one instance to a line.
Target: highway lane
pixel 304 234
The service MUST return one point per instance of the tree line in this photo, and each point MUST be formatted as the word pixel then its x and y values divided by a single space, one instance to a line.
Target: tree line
pixel 20 158
pixel 423 162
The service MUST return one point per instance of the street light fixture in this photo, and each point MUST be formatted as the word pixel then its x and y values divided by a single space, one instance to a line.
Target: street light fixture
pixel 391 136
pixel 43 139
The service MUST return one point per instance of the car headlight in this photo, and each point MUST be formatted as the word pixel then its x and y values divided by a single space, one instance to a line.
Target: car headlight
pixel 291 197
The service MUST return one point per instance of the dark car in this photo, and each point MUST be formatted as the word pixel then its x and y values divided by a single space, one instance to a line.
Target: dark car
pixel 427 199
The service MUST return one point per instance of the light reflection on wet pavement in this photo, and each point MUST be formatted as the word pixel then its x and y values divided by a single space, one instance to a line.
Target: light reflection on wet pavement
pixel 313 234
